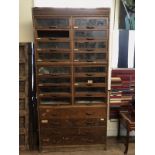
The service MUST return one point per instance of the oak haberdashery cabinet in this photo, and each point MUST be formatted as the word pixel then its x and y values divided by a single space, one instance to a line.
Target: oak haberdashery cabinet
pixel 71 57
pixel 23 97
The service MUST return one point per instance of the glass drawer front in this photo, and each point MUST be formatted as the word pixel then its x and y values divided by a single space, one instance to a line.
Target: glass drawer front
pixel 90 57
pixel 89 100
pixel 52 23
pixel 92 69
pixel 54 70
pixel 90 35
pixel 56 80
pixel 52 34
pixel 90 80
pixel 54 89
pixel 53 56
pixel 54 45
pixel 89 45
pixel 91 23
pixel 90 90
pixel 56 100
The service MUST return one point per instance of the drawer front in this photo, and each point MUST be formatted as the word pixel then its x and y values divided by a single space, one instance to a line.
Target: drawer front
pixel 71 113
pixel 90 57
pixel 90 34
pixel 91 45
pixel 73 136
pixel 53 45
pixel 72 123
pixel 22 69
pixel 53 34
pixel 90 23
pixel 54 70
pixel 52 23
pixel 53 56
pixel 55 99
pixel 88 100
pixel 22 54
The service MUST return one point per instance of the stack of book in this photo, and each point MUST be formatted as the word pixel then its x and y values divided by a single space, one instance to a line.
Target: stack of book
pixel 123 86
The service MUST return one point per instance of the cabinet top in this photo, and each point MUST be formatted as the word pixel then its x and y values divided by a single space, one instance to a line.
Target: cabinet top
pixel 70 11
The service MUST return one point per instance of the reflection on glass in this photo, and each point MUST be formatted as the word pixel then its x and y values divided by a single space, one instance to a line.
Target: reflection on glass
pixel 90 89
pixel 93 79
pixel 61 23
pixel 53 56
pixel 57 80
pixel 54 45
pixel 54 70
pixel 89 100
pixel 57 100
pixel 54 89
pixel 90 45
pixel 89 69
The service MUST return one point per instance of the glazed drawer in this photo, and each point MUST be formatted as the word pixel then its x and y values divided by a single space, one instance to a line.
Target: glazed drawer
pixel 73 136
pixel 62 123
pixel 71 113
pixel 48 22
pixel 90 23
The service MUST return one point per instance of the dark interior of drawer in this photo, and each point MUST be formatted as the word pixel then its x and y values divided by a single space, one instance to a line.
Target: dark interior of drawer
pixel 54 70
pixel 21 122
pixel 90 57
pixel 90 79
pixel 53 56
pixel 21 139
pixel 55 100
pixel 90 89
pixel 89 100
pixel 54 80
pixel 54 45
pixel 21 104
pixel 90 45
pixel 90 34
pixel 55 89
pixel 53 34
pixel 92 69
pixel 52 22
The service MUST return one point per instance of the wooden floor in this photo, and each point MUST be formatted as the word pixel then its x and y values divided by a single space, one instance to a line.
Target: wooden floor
pixel 113 148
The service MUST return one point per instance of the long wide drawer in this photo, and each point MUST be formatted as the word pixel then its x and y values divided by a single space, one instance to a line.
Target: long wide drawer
pixel 71 113
pixel 59 123
pixel 73 136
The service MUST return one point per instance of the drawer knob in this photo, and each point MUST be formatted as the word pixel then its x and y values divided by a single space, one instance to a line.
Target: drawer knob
pixel 102 119
pixel 44 121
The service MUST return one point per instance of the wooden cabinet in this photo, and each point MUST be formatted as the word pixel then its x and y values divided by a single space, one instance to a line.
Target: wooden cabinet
pixel 71 56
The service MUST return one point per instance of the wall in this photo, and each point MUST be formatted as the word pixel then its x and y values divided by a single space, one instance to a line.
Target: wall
pixel 25 21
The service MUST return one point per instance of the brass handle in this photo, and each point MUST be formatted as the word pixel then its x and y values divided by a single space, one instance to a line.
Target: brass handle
pixel 44 121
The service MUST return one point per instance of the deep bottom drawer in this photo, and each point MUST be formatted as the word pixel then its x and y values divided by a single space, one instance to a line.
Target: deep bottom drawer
pixel 73 136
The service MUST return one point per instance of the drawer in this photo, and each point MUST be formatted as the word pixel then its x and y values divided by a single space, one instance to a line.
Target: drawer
pixel 54 81
pixel 90 57
pixel 54 70
pixel 90 45
pixel 90 23
pixel 88 100
pixel 72 113
pixel 90 34
pixel 53 45
pixel 73 136
pixel 47 56
pixel 55 99
pixel 52 34
pixel 90 70
pixel 51 22
pixel 64 123
pixel 54 89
